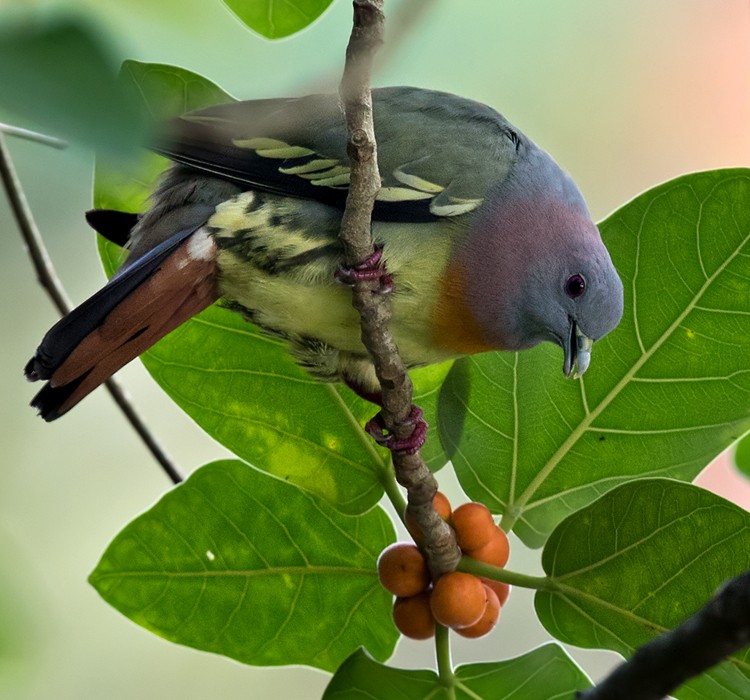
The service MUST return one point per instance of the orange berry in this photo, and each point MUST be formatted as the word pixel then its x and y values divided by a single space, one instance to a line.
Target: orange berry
pixel 488 619
pixel 495 551
pixel 413 616
pixel 502 590
pixel 458 599
pixel 473 524
pixel 441 504
pixel 403 570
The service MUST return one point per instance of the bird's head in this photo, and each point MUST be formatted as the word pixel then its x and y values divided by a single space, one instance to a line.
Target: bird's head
pixel 572 296
pixel 539 268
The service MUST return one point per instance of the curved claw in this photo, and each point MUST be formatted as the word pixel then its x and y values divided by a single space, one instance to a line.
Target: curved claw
pixel 367 271
pixel 405 446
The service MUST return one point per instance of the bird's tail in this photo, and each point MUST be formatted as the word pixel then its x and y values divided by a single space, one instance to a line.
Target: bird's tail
pixel 139 306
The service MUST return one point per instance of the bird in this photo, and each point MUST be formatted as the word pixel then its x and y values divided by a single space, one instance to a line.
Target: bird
pixel 487 243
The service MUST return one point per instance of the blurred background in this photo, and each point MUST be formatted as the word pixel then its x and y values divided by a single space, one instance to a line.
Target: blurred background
pixel 624 95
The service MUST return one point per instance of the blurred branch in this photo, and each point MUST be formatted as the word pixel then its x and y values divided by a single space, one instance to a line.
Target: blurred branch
pixel 35 136
pixel 401 22
pixel 718 630
pixel 368 298
pixel 45 271
pixel 47 277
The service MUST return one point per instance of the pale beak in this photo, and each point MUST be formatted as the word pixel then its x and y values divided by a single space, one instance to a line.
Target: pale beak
pixel 577 349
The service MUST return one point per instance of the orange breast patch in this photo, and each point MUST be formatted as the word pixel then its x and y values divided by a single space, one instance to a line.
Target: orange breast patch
pixel 456 329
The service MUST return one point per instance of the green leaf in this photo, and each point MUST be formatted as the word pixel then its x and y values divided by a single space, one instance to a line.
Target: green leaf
pixel 637 562
pixel 742 455
pixel 244 390
pixel 275 19
pixel 163 92
pixel 241 564
pixel 60 75
pixel 545 672
pixel 359 677
pixel 427 383
pixel 666 392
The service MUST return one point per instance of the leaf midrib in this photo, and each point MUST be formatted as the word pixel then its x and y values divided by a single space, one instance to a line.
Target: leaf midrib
pixel 242 573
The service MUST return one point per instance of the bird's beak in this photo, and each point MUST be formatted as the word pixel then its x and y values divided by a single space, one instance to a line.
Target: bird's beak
pixel 577 348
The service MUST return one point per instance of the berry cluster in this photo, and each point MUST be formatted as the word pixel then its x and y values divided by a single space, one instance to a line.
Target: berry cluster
pixel 466 603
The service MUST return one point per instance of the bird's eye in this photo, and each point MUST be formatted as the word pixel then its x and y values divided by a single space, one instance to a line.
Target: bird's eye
pixel 575 286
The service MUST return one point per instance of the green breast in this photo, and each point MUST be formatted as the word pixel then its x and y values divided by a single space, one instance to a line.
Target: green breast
pixel 278 259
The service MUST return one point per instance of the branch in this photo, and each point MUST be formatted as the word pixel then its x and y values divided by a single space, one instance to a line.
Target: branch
pixel 718 630
pixel 26 134
pixel 373 306
pixel 49 280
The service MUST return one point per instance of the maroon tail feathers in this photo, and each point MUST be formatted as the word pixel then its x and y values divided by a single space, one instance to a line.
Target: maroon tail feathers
pixel 138 307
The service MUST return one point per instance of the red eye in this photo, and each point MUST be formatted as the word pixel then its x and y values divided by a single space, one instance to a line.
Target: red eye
pixel 575 286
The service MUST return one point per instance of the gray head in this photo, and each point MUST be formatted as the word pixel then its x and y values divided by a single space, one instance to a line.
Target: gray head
pixel 539 268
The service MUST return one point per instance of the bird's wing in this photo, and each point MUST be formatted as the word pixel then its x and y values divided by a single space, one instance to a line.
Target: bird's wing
pixel 438 154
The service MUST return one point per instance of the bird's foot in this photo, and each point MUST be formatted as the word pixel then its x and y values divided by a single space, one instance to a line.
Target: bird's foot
pixel 368 271
pixel 403 446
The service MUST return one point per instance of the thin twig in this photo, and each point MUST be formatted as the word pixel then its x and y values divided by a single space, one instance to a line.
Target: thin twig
pixel 45 272
pixel 718 630
pixel 49 280
pixel 374 308
pixel 35 136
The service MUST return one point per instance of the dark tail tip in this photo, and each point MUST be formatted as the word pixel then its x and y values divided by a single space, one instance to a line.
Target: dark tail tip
pixel 50 401
pixel 37 367
pixel 114 225
pixel 30 371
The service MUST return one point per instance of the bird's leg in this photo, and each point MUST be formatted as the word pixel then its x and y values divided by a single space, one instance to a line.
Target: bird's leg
pixel 405 446
pixel 376 426
pixel 369 270
pixel 373 269
pixel 375 397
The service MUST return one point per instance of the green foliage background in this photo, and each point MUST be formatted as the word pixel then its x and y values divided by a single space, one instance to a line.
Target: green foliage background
pixel 623 97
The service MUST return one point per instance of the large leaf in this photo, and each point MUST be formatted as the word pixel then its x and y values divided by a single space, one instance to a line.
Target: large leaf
pixel 275 19
pixel 427 383
pixel 547 672
pixel 242 564
pixel 666 392
pixel 640 560
pixel 163 92
pixel 60 75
